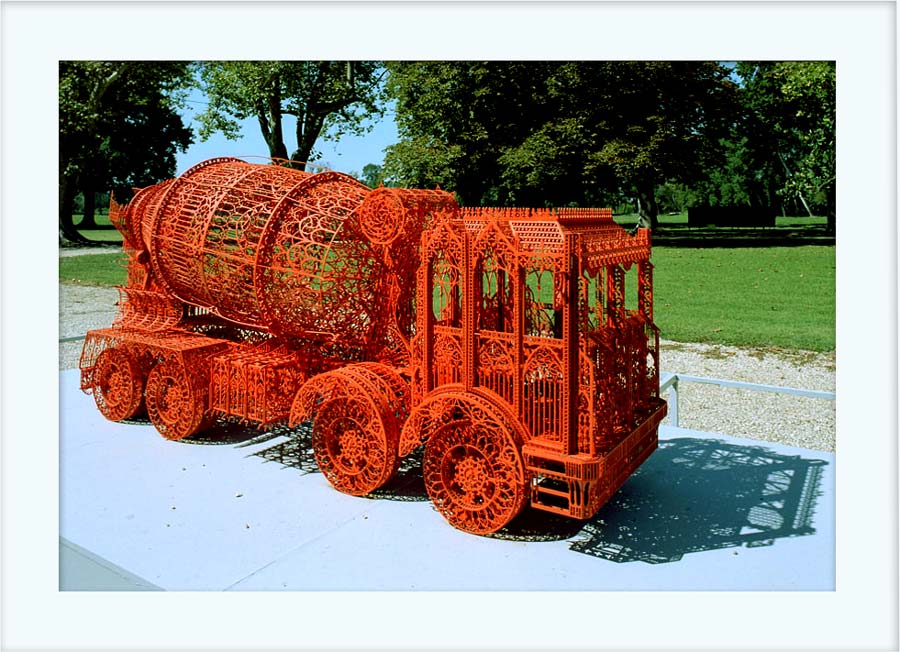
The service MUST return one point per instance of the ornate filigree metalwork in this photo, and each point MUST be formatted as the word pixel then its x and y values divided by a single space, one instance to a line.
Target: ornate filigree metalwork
pixel 118 384
pixel 503 340
pixel 472 472
pixel 358 411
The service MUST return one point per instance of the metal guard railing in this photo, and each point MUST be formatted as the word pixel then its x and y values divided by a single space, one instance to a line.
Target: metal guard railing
pixel 670 381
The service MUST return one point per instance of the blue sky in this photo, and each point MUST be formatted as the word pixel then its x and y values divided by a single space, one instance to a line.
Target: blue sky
pixel 349 154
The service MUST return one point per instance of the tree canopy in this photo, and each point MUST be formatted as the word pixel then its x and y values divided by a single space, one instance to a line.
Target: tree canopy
pixel 557 132
pixel 760 134
pixel 661 134
pixel 327 98
pixel 119 128
pixel 791 105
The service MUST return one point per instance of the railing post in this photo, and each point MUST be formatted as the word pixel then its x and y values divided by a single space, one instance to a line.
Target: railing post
pixel 673 401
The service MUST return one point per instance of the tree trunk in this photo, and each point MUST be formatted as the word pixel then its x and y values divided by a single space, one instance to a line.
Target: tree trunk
pixel 831 211
pixel 805 205
pixel 269 117
pixel 304 145
pixel 90 209
pixel 799 194
pixel 648 210
pixel 67 230
pixel 278 150
pixel 308 130
pixel 273 137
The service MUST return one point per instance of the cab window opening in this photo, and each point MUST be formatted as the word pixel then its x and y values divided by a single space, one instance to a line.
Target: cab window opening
pixel 446 296
pixel 495 305
pixel 543 314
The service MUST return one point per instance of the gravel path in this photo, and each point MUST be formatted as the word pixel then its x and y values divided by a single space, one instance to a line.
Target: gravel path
pixel 80 251
pixel 82 308
pixel 796 421
pixel 792 420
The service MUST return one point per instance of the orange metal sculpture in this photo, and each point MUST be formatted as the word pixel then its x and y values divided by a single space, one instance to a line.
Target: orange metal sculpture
pixel 511 343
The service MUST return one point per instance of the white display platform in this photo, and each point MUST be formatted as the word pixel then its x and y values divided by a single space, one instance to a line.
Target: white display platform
pixel 238 510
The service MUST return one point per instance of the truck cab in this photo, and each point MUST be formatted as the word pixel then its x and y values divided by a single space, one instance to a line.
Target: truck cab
pixel 549 313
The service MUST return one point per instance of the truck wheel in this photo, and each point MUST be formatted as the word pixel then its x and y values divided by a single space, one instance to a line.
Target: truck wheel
pixel 117 384
pixel 172 404
pixel 351 445
pixel 472 474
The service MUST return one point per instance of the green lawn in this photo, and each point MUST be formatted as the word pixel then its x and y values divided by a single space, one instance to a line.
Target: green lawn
pixel 101 235
pixel 630 219
pixel 779 296
pixel 93 269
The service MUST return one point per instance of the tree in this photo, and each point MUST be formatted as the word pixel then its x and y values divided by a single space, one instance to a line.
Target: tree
pixel 663 122
pixel 372 175
pixel 791 114
pixel 557 132
pixel 456 118
pixel 809 92
pixel 82 88
pixel 119 128
pixel 330 97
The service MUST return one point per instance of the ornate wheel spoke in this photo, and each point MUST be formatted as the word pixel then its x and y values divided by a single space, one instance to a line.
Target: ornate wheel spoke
pixel 118 384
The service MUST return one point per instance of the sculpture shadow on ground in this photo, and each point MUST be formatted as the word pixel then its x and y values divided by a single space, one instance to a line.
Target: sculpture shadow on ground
pixel 690 495
pixel 697 494
pixel 233 433
pixel 406 485
pixel 296 452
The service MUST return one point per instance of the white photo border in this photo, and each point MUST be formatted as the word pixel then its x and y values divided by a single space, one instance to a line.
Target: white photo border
pixel 861 37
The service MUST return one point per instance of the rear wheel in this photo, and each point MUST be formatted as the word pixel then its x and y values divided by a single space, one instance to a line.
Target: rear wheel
pixel 118 384
pixel 173 406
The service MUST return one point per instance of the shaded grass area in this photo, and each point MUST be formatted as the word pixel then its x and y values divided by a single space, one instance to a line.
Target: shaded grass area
pixel 101 218
pixel 681 219
pixel 105 232
pixel 763 297
pixel 102 235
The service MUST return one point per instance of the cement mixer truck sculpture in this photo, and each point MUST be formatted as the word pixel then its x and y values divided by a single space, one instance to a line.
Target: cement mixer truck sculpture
pixel 508 342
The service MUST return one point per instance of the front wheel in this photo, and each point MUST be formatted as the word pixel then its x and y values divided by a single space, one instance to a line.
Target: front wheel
pixel 471 472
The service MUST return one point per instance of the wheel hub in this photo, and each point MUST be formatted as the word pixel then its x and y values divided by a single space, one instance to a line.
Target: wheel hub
pixel 352 446
pixel 470 475
pixel 170 400
pixel 118 384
